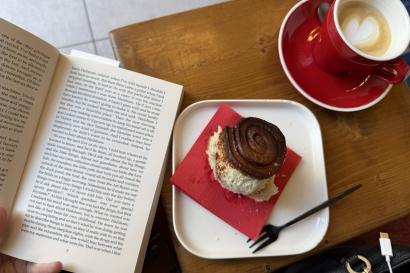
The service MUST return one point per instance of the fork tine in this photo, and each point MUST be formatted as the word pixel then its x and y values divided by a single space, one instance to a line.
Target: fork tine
pixel 263 230
pixel 264 244
pixel 260 239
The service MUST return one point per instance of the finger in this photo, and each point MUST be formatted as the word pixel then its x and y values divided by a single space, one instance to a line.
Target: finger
pixel 54 267
pixel 3 222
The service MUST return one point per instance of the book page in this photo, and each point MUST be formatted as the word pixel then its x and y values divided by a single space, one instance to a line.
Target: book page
pixel 26 67
pixel 92 178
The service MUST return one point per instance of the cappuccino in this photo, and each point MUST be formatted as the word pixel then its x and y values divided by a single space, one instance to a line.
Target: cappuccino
pixel 365 27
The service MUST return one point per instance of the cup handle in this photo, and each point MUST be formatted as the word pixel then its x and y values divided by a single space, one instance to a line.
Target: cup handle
pixel 393 72
pixel 315 4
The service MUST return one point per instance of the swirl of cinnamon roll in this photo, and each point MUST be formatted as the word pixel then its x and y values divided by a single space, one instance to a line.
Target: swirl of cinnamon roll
pixel 256 147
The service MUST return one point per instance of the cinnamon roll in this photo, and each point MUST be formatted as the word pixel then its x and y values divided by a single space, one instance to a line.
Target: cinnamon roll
pixel 244 159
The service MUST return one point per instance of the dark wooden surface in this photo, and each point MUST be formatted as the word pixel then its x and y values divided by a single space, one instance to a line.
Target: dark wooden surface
pixel 160 256
pixel 230 51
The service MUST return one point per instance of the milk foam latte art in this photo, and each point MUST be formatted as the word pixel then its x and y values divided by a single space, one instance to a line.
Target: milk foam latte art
pixel 365 27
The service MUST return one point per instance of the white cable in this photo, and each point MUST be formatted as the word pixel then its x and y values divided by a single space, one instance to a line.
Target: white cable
pixel 386 249
pixel 388 263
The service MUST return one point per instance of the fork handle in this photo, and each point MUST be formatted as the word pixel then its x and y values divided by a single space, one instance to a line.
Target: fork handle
pixel 322 206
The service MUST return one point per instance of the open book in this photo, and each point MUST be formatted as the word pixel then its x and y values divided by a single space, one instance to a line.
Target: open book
pixel 82 152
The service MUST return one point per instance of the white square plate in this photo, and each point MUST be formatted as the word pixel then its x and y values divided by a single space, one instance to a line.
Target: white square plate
pixel 205 235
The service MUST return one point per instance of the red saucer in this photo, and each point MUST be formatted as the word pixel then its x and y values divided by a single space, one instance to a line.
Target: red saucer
pixel 346 93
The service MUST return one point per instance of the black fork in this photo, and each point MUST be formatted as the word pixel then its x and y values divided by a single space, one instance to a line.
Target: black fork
pixel 270 233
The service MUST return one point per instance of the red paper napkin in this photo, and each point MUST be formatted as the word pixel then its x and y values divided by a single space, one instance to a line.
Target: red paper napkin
pixel 194 177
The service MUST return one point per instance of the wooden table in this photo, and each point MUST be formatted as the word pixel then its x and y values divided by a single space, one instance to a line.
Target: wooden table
pixel 230 51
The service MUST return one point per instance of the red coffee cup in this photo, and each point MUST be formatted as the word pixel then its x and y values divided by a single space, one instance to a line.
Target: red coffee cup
pixel 335 54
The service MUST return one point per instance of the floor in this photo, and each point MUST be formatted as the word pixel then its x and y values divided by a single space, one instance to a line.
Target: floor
pixel 85 24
